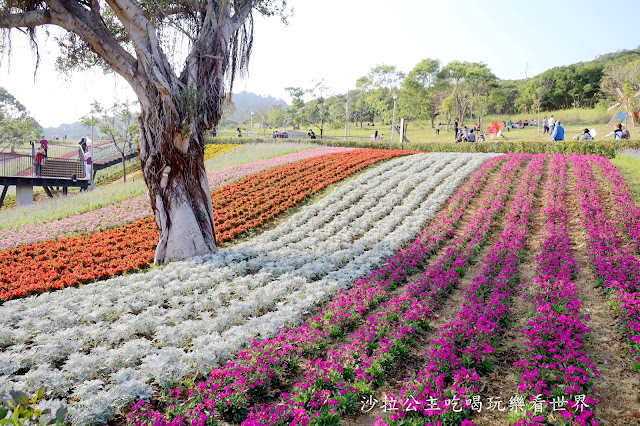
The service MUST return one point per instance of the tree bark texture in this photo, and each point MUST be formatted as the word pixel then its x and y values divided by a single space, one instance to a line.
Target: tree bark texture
pixel 172 162
pixel 176 110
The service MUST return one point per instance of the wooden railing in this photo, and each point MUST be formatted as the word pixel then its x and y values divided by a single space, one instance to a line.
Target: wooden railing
pixel 20 165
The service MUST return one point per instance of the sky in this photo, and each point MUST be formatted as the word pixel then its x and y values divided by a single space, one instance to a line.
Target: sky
pixel 338 41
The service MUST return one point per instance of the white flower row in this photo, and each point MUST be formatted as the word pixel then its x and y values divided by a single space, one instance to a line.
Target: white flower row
pixel 103 344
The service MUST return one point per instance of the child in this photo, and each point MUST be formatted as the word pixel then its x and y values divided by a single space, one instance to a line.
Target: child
pixel 37 162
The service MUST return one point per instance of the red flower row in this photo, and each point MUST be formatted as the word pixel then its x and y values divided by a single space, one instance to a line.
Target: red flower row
pixel 238 207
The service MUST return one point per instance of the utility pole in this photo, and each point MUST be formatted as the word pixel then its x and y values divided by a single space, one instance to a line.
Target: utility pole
pixel 93 142
pixel 393 128
pixel 346 117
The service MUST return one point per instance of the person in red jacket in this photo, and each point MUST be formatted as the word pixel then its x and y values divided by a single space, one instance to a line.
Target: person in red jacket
pixel 37 162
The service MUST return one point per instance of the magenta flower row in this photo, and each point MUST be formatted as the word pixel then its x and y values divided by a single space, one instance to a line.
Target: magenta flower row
pixel 556 366
pixel 336 383
pixel 460 354
pixel 233 389
pixel 614 267
pixel 626 211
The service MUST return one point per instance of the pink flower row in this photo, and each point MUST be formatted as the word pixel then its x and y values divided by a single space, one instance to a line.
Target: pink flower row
pixel 137 207
pixel 614 267
pixel 231 390
pixel 460 354
pixel 627 212
pixel 556 365
pixel 350 372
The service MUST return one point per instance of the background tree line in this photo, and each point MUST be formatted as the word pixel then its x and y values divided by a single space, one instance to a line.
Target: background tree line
pixel 15 122
pixel 460 91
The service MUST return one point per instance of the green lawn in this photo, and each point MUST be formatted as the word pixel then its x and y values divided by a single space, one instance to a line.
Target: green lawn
pixel 420 131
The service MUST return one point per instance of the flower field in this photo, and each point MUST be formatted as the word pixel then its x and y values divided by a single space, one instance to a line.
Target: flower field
pixel 440 289
pixel 136 207
pixel 55 264
pixel 223 168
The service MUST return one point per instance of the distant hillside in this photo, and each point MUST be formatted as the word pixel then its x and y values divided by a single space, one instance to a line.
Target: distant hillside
pixel 251 100
pixel 583 83
pixel 74 131
pixel 246 102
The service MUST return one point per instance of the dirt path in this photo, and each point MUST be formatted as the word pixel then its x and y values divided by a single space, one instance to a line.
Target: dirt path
pixel 289 381
pixel 502 382
pixel 618 387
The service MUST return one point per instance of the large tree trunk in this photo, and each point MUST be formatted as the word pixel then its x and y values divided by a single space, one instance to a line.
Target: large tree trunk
pixel 176 110
pixel 172 162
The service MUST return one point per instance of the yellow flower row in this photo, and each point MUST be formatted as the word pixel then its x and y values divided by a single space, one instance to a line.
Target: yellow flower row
pixel 213 150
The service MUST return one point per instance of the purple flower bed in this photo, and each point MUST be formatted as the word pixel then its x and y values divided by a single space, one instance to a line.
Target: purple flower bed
pixel 232 390
pixel 460 354
pixel 625 210
pixel 336 383
pixel 614 267
pixel 555 364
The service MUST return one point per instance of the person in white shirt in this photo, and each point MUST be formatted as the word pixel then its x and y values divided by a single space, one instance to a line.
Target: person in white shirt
pixel 617 133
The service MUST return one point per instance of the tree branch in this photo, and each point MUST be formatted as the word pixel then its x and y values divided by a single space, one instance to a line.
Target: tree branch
pixel 31 18
pixel 169 15
pixel 242 13
pixel 146 44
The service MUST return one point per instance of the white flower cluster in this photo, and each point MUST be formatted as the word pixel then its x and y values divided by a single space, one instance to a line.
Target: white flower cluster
pixel 105 344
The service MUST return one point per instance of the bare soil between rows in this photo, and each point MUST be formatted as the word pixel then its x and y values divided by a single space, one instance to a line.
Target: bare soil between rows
pixel 618 387
pixel 414 360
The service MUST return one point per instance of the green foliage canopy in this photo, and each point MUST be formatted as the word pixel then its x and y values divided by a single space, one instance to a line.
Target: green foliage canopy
pixel 15 122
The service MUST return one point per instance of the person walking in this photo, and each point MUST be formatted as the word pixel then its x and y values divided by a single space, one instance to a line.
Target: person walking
pixel 552 123
pixel 374 137
pixel 438 129
pixel 88 166
pixel 545 125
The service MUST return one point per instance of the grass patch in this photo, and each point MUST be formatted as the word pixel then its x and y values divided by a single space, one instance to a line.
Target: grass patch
pixel 82 202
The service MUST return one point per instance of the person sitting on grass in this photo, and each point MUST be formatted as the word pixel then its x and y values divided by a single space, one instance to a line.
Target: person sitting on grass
pixel 617 133
pixel 587 135
pixel 459 135
pixel 471 137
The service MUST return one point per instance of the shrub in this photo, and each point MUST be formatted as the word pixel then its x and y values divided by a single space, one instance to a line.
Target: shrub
pixel 606 148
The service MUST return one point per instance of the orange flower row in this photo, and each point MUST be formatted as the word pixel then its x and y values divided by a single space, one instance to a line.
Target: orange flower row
pixel 238 207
